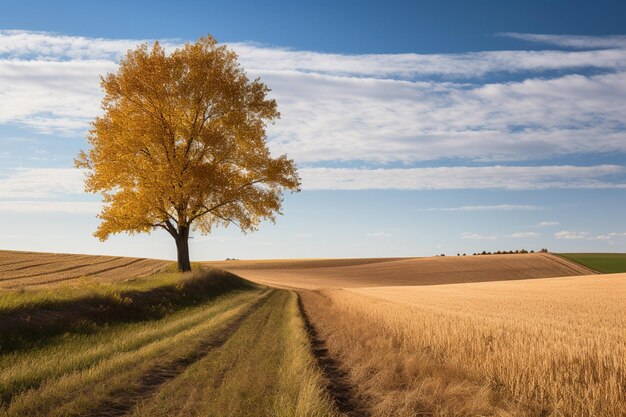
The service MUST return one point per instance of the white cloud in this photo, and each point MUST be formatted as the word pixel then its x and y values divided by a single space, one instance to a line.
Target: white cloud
pixel 498 207
pixel 572 41
pixel 41 183
pixel 16 44
pixel 342 108
pixel 570 235
pixel 378 234
pixel 51 96
pixel 19 44
pixel 448 178
pixel 409 66
pixel 372 108
pixel 523 235
pixel 329 118
pixel 476 236
pixel 38 206
pixel 609 236
pixel 545 224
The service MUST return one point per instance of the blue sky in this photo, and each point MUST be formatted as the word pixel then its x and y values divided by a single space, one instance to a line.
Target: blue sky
pixel 419 127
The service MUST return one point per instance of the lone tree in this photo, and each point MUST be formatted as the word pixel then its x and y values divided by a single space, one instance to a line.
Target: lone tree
pixel 181 145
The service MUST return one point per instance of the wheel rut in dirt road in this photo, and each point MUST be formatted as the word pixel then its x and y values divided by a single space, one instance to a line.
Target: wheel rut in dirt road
pixel 156 377
pixel 339 387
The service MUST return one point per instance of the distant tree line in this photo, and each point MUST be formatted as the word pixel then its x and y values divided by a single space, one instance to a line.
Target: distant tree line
pixel 502 252
pixel 510 252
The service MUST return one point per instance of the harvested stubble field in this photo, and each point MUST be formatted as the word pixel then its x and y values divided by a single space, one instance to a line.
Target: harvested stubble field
pixel 507 346
pixel 24 269
pixel 374 272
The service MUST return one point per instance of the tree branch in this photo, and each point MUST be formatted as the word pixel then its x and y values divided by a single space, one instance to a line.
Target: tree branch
pixel 215 207
pixel 229 220
pixel 170 228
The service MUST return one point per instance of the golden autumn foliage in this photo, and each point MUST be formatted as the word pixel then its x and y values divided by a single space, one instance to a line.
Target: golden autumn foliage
pixel 181 145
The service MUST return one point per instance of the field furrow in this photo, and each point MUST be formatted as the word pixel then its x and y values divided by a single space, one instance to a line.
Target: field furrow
pixel 93 270
pixel 140 268
pixel 10 262
pixel 25 266
pixel 57 268
pixel 24 269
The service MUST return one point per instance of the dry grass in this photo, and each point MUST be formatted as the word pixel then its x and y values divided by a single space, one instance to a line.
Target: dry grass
pixel 351 273
pixel 209 343
pixel 84 371
pixel 264 369
pixel 27 269
pixel 37 315
pixel 545 347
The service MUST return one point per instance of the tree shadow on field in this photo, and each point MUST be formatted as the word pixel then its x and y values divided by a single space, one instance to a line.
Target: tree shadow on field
pixel 31 327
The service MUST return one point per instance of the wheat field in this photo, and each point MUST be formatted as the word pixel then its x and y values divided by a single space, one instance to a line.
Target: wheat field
pixel 506 335
pixel 544 347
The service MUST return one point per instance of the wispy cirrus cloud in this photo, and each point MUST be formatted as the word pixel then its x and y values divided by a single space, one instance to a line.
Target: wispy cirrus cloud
pixel 477 236
pixel 41 183
pixel 450 178
pixel 496 207
pixel 571 41
pixel 378 234
pixel 610 236
pixel 20 44
pixel 524 235
pixel 412 66
pixel 53 183
pixel 545 224
pixel 39 190
pixel 33 45
pixel 577 235
pixel 38 206
pixel 518 235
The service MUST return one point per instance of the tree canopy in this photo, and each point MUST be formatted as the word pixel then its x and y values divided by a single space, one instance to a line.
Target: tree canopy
pixel 182 144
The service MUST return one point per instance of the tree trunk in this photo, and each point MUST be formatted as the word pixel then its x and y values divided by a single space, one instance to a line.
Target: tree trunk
pixel 182 247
